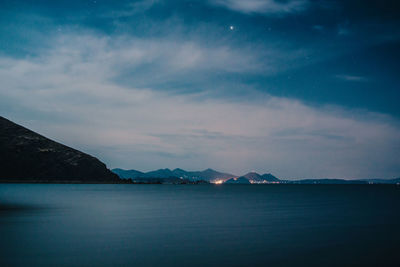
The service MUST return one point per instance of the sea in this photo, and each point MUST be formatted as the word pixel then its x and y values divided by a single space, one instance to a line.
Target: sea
pixel 199 225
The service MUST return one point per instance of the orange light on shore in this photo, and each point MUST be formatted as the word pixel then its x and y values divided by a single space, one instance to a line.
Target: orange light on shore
pixel 218 182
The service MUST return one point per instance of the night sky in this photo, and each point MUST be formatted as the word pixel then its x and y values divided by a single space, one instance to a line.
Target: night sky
pixel 298 88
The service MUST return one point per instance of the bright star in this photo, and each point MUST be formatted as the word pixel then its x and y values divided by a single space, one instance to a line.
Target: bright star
pixel 231 28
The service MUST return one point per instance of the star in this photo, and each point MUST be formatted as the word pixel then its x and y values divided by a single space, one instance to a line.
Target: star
pixel 231 28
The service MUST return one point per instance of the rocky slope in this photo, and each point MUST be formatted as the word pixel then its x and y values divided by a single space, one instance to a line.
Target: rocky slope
pixel 28 156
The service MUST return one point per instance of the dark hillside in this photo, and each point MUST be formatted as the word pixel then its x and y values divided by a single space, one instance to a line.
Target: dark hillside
pixel 28 156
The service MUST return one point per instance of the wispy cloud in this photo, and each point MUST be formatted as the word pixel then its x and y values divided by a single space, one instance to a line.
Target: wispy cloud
pixel 343 31
pixel 131 9
pixel 318 27
pixel 264 6
pixel 351 78
pixel 173 58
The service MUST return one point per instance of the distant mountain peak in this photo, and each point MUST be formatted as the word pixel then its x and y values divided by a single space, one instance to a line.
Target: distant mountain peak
pixel 269 177
pixel 251 175
pixel 254 177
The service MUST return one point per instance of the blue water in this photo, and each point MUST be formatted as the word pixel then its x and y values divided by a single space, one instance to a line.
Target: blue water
pixel 199 225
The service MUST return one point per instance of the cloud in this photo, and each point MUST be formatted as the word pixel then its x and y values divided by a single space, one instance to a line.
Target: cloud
pixel 351 78
pixel 73 94
pixel 343 31
pixel 130 9
pixel 264 6
pixel 172 60
pixel 318 28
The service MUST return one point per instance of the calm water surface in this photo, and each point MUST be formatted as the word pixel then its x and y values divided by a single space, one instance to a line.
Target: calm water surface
pixel 199 225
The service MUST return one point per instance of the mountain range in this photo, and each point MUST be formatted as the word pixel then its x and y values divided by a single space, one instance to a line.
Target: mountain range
pixel 208 175
pixel 216 177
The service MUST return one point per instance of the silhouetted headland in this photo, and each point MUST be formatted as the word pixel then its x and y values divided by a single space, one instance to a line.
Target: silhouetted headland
pixel 27 156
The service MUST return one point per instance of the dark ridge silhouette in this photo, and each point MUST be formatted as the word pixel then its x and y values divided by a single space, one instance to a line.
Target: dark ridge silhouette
pixel 30 157
pixel 256 178
pixel 240 180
